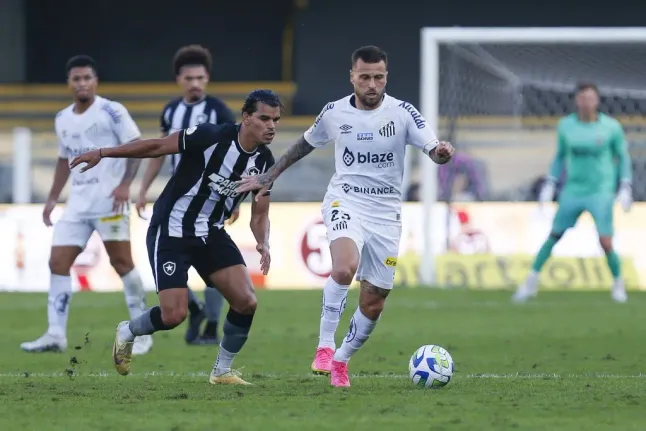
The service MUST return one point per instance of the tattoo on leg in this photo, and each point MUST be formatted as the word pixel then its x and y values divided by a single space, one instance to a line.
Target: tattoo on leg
pixel 374 290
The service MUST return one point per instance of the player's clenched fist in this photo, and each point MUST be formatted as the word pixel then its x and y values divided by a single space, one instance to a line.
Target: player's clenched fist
pixel 442 153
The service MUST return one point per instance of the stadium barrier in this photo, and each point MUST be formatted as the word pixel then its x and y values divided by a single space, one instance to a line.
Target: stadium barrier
pixel 480 246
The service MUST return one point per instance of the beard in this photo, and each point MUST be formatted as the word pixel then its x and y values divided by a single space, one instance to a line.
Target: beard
pixel 371 101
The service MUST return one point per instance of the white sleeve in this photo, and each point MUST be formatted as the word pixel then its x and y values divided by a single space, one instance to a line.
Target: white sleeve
pixel 62 150
pixel 317 135
pixel 122 123
pixel 418 133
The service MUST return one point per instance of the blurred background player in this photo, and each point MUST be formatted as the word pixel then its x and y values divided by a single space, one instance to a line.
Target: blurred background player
pixel 187 226
pixel 98 201
pixel 362 207
pixel 192 67
pixel 592 150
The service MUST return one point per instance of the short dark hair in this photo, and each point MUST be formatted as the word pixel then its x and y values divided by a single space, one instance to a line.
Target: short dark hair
pixel 265 96
pixel 586 85
pixel 369 54
pixel 80 61
pixel 192 55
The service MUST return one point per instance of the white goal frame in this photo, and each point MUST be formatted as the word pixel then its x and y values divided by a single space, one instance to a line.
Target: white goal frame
pixel 431 38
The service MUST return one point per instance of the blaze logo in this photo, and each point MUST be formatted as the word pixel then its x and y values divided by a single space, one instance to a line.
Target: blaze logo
pixel 382 160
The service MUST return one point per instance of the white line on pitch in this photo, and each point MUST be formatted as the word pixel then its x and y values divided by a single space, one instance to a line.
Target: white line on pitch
pixel 520 376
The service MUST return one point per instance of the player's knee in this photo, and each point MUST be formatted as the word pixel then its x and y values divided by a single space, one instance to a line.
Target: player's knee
pixel 246 304
pixel 343 273
pixel 59 265
pixel 555 236
pixel 174 316
pixel 606 244
pixel 372 300
pixel 122 264
pixel 372 309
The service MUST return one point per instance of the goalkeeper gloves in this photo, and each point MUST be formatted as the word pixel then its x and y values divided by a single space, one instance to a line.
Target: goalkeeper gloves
pixel 547 191
pixel 625 196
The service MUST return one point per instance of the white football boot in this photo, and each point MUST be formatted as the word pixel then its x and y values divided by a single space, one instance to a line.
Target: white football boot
pixel 618 293
pixel 46 343
pixel 142 345
pixel 527 290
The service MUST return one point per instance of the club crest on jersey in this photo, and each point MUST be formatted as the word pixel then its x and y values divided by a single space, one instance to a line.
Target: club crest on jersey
pixel 388 130
pixel 201 119
pixel 253 171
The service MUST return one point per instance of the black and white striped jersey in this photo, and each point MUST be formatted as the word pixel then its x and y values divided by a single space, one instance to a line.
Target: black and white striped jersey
pixel 201 193
pixel 178 115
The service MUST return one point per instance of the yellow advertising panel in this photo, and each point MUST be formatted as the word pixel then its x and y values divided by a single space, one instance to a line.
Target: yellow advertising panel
pixel 480 246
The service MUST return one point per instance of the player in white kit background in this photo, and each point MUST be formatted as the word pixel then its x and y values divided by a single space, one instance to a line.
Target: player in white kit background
pixel 98 201
pixel 362 206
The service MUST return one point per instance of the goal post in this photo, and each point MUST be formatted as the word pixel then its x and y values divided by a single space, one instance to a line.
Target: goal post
pixel 519 73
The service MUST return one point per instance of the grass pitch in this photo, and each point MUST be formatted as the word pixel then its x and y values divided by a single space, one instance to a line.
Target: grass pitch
pixel 566 361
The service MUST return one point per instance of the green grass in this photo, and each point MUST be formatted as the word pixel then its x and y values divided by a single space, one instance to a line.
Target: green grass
pixel 566 361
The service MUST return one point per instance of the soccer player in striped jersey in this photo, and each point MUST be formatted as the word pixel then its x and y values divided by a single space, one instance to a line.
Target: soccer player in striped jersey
pixel 589 142
pixel 192 67
pixel 186 228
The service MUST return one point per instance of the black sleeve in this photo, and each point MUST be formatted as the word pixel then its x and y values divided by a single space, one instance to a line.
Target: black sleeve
pixel 268 164
pixel 224 114
pixel 196 139
pixel 164 127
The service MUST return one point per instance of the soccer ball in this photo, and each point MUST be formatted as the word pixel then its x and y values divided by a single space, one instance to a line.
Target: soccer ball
pixel 430 367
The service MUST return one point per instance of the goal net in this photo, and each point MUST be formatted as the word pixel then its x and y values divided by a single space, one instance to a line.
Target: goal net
pixel 497 94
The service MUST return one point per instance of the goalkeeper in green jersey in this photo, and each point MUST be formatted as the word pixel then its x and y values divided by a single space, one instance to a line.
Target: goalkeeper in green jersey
pixel 591 147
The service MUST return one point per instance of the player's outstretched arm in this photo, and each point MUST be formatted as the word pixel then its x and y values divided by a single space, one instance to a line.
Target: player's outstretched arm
pixel 263 182
pixel 259 225
pixel 138 150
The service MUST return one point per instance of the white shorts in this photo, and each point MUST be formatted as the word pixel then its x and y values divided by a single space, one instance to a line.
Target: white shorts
pixel 78 233
pixel 378 244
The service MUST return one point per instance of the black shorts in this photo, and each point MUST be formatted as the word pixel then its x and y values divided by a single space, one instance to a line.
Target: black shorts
pixel 171 257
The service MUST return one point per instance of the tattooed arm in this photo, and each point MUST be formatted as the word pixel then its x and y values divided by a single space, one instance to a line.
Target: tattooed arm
pixel 296 152
pixel 264 181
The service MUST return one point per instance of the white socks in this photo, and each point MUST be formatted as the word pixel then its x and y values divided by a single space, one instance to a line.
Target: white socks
pixel 334 299
pixel 58 304
pixel 360 329
pixel 223 361
pixel 133 289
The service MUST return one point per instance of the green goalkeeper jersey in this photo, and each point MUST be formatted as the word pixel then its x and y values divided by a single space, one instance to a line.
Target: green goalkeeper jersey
pixel 591 153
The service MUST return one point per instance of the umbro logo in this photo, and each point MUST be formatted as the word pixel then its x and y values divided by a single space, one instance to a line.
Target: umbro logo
pixel 345 129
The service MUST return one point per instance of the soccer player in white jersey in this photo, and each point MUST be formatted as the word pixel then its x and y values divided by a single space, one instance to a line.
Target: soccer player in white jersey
pixel 98 201
pixel 362 206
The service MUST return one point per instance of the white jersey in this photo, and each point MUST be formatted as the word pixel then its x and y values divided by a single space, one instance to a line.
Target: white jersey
pixel 369 154
pixel 105 124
